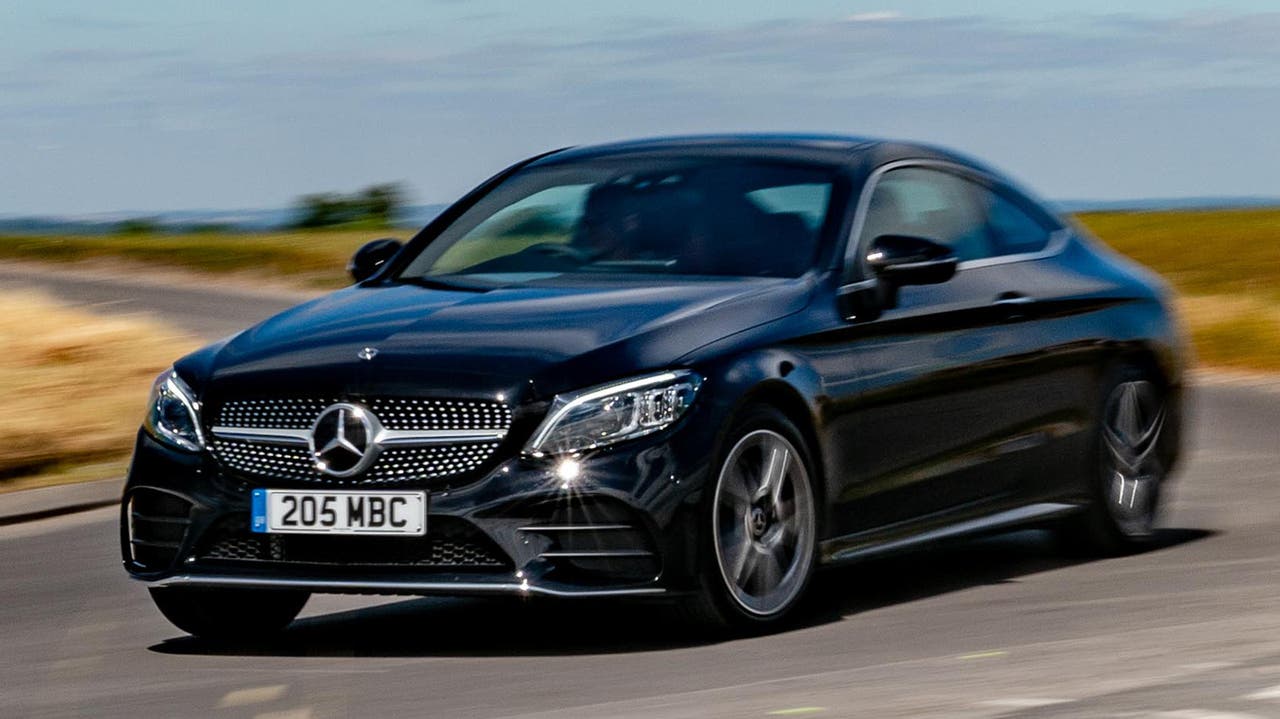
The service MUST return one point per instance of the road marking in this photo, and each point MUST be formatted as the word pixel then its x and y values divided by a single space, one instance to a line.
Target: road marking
pixel 796 711
pixel 1265 694
pixel 1208 666
pixel 303 713
pixel 985 655
pixel 252 695
pixel 1024 702
pixel 1202 714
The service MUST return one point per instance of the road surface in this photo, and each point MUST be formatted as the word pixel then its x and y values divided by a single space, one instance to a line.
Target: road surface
pixel 189 302
pixel 1005 627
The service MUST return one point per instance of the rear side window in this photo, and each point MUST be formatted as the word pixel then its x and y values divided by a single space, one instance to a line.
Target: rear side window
pixel 928 203
pixel 976 220
pixel 1014 231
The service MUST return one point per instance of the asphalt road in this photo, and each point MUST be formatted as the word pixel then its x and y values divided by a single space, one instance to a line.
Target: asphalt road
pixel 1005 627
pixel 190 303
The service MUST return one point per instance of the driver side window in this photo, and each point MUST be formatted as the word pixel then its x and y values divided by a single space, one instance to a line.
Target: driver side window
pixel 928 203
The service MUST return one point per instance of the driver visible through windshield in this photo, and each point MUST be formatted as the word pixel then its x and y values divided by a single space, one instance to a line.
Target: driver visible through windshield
pixel 708 217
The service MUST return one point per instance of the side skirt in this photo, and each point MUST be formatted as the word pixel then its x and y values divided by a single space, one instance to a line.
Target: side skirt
pixel 862 545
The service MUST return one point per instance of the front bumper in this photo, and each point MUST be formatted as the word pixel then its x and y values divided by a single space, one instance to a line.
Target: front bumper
pixel 625 526
pixel 438 586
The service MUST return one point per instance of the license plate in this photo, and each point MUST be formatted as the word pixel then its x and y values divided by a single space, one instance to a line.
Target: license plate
pixel 278 511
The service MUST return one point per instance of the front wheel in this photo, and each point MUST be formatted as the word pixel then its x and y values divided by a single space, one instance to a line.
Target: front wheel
pixel 762 524
pixel 234 614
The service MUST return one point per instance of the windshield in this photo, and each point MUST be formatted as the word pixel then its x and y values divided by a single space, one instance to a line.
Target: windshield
pixel 699 217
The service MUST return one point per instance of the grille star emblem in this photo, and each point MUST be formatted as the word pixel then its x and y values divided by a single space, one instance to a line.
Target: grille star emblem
pixel 367 353
pixel 342 440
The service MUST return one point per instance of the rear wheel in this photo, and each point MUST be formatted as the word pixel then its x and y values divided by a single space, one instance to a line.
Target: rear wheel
pixel 234 614
pixel 1131 460
pixel 761 519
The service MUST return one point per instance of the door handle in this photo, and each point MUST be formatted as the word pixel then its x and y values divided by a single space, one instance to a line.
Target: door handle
pixel 1013 299
pixel 1013 305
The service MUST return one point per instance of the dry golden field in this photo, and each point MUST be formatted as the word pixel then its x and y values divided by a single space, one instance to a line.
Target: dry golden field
pixel 75 385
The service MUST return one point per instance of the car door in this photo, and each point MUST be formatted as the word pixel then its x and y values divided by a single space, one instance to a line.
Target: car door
pixel 1056 315
pixel 941 416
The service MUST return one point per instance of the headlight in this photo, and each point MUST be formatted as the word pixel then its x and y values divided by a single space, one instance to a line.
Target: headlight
pixel 172 413
pixel 615 412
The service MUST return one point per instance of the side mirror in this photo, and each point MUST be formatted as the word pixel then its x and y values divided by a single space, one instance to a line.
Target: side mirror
pixel 371 257
pixel 903 260
pixel 896 260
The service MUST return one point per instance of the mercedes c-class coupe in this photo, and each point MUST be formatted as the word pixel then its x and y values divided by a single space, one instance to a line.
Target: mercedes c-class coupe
pixel 693 369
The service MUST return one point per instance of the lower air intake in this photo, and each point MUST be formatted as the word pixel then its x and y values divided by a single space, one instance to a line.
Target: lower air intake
pixel 157 524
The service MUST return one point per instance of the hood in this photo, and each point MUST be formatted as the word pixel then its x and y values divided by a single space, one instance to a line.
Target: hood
pixel 525 341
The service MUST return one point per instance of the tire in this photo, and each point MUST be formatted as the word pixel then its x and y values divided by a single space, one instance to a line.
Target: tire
pixel 759 526
pixel 1131 454
pixel 229 614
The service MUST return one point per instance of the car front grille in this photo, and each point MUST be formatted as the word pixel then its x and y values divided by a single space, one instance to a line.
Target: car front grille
pixel 276 413
pixel 266 460
pixel 393 412
pixel 453 545
pixel 395 465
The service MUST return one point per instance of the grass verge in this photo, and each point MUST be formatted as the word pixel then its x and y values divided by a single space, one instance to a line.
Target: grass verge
pixel 1201 252
pixel 75 384
pixel 309 259
pixel 1225 264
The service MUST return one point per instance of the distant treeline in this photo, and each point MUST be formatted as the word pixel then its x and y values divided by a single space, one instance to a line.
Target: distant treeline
pixel 374 206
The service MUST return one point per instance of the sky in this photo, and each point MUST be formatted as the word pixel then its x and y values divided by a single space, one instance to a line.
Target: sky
pixel 151 106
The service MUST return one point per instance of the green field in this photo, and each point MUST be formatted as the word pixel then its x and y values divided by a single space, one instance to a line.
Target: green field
pixel 312 258
pixel 1225 265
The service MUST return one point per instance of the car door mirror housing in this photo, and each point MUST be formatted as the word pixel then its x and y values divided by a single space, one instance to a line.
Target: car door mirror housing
pixel 372 257
pixel 906 260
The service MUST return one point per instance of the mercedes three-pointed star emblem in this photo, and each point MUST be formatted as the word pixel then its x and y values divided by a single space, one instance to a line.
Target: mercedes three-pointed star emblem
pixel 342 439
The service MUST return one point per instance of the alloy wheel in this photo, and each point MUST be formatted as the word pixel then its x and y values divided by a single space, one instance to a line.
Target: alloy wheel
pixel 763 521
pixel 1132 424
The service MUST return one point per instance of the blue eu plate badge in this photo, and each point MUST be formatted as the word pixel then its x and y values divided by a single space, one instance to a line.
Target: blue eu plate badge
pixel 259 511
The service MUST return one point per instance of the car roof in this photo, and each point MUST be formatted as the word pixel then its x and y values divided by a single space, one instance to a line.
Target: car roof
pixel 826 149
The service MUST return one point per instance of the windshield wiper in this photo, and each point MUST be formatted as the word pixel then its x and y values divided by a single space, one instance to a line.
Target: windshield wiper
pixel 630 265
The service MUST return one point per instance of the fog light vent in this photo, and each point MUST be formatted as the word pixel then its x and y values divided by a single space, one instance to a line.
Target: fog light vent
pixel 157 524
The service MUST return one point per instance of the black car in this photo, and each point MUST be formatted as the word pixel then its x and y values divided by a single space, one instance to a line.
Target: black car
pixel 695 368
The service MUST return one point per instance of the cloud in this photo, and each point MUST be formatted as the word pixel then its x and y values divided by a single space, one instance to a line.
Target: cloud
pixel 662 69
pixel 89 56
pixel 655 68
pixel 861 55
pixel 1109 89
pixel 868 53
pixel 876 16
pixel 90 22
